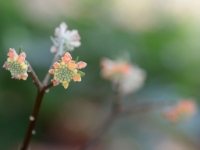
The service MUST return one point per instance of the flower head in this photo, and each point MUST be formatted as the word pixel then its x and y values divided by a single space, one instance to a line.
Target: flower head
pixel 17 65
pixel 130 78
pixel 66 70
pixel 71 39
pixel 184 109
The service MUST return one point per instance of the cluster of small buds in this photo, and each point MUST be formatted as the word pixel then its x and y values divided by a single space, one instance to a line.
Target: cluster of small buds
pixel 66 70
pixel 130 78
pixel 16 64
pixel 183 110
pixel 71 39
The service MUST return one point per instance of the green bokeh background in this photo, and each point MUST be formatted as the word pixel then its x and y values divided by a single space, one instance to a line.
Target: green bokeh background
pixel 168 50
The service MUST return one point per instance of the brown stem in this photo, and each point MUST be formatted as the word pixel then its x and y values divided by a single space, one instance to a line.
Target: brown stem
pixel 33 119
pixel 109 121
pixel 40 94
pixel 35 78
pixel 141 108
pixel 96 137
pixel 117 99
pixel 48 86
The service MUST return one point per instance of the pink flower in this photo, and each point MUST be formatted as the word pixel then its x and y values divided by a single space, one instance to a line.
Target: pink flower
pixel 67 57
pixel 131 78
pixel 12 53
pixel 17 65
pixel 184 109
pixel 21 57
pixel 72 65
pixel 56 65
pixel 81 65
pixel 24 76
pixel 66 70
pixel 77 77
pixel 55 82
pixel 51 71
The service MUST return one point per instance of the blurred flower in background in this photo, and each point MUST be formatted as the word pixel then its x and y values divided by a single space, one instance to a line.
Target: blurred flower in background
pixel 184 110
pixel 129 77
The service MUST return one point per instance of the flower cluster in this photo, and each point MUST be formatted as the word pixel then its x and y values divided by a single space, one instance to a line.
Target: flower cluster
pixel 71 39
pixel 130 77
pixel 66 70
pixel 17 65
pixel 185 109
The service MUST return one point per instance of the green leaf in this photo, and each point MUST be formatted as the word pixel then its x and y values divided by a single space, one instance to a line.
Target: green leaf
pixel 76 59
pixel 20 50
pixel 81 73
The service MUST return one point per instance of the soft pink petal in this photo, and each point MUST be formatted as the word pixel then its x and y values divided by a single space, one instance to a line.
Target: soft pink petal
pixel 21 57
pixel 12 53
pixel 77 77
pixel 81 65
pixel 67 57
pixel 55 82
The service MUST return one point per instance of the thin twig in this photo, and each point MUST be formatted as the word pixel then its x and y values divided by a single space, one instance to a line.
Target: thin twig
pixel 141 108
pixel 101 131
pixel 117 98
pixel 56 57
pixel 117 112
pixel 35 78
pixel 46 79
pixel 116 109
pixel 47 86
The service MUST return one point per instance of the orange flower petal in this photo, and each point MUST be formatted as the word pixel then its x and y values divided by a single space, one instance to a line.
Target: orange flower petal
pixel 81 65
pixel 65 84
pixel 67 57
pixel 24 76
pixel 51 71
pixel 21 57
pixel 12 53
pixel 126 68
pixel 185 108
pixel 56 65
pixel 55 82
pixel 72 65
pixel 77 77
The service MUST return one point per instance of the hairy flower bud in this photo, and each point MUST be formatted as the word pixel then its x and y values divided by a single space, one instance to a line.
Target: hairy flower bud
pixel 17 65
pixel 65 71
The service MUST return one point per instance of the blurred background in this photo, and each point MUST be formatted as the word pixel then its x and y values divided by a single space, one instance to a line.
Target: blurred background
pixel 162 37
